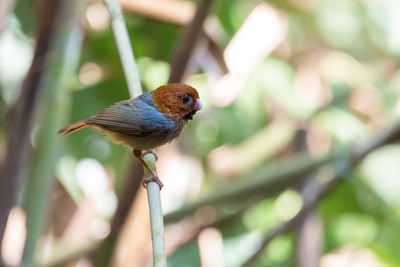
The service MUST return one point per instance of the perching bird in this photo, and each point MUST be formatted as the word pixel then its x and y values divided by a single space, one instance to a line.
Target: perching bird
pixel 145 122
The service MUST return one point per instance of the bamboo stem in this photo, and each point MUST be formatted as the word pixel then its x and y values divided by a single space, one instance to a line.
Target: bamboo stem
pixel 156 217
pixel 188 41
pixel 68 40
pixel 124 47
pixel 132 78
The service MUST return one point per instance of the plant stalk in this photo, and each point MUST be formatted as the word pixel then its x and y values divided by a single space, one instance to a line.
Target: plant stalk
pixel 132 78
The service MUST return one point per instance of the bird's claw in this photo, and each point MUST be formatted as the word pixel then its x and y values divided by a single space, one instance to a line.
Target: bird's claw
pixel 153 151
pixel 139 154
pixel 152 179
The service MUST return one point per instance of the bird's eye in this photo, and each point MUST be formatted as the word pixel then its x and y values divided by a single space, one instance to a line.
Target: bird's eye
pixel 186 99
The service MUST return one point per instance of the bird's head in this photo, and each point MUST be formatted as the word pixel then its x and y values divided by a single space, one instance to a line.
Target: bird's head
pixel 177 101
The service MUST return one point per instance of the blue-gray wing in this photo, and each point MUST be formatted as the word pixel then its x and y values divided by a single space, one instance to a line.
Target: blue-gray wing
pixel 135 118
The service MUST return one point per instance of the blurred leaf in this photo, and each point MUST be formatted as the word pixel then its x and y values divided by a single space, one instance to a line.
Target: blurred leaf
pixel 280 250
pixel 238 248
pixel 381 170
pixel 344 126
pixel 355 228
pixel 262 216
pixel 16 52
pixel 341 25
pixel 186 255
pixel 383 25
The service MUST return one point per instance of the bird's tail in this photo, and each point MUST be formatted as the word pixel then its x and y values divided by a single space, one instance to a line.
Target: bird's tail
pixel 76 126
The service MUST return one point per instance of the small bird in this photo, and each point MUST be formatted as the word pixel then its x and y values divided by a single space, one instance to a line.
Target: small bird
pixel 145 122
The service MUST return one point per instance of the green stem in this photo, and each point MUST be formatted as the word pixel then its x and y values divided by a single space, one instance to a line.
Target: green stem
pixel 55 102
pixel 124 47
pixel 156 217
pixel 132 78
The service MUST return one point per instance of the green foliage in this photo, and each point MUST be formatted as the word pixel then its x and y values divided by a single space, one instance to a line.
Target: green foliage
pixel 334 76
pixel 187 255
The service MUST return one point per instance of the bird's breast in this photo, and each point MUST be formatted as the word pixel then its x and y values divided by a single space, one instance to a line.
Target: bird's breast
pixel 164 134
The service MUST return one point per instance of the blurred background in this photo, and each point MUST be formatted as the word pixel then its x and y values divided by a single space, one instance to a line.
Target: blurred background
pixel 282 167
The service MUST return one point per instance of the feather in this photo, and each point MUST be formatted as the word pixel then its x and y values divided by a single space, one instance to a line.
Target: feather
pixel 135 122
pixel 76 126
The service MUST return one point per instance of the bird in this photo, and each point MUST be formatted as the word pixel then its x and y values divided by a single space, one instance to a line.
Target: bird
pixel 148 121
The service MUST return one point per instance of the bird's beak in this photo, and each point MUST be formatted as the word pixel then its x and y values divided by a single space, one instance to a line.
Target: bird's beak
pixel 197 106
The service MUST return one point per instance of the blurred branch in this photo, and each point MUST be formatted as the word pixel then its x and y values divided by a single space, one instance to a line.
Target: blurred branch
pixel 171 11
pixel 131 74
pixel 19 149
pixel 285 175
pixel 64 65
pixel 208 54
pixel 310 243
pixel 4 113
pixel 314 192
pixel 191 227
pixel 63 253
pixel 234 160
pixel 188 40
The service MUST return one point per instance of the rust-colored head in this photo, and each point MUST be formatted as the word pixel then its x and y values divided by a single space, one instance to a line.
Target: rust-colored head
pixel 177 101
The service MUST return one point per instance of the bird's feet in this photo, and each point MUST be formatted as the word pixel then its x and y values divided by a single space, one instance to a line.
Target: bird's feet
pixel 139 154
pixel 152 151
pixel 153 179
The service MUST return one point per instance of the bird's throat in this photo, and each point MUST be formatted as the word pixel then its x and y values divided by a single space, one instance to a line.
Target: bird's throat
pixel 190 115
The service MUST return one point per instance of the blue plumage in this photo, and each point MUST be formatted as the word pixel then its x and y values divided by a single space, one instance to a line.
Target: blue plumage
pixel 136 123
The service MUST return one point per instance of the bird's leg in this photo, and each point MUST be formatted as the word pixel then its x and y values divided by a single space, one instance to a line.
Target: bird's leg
pixel 154 178
pixel 152 151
